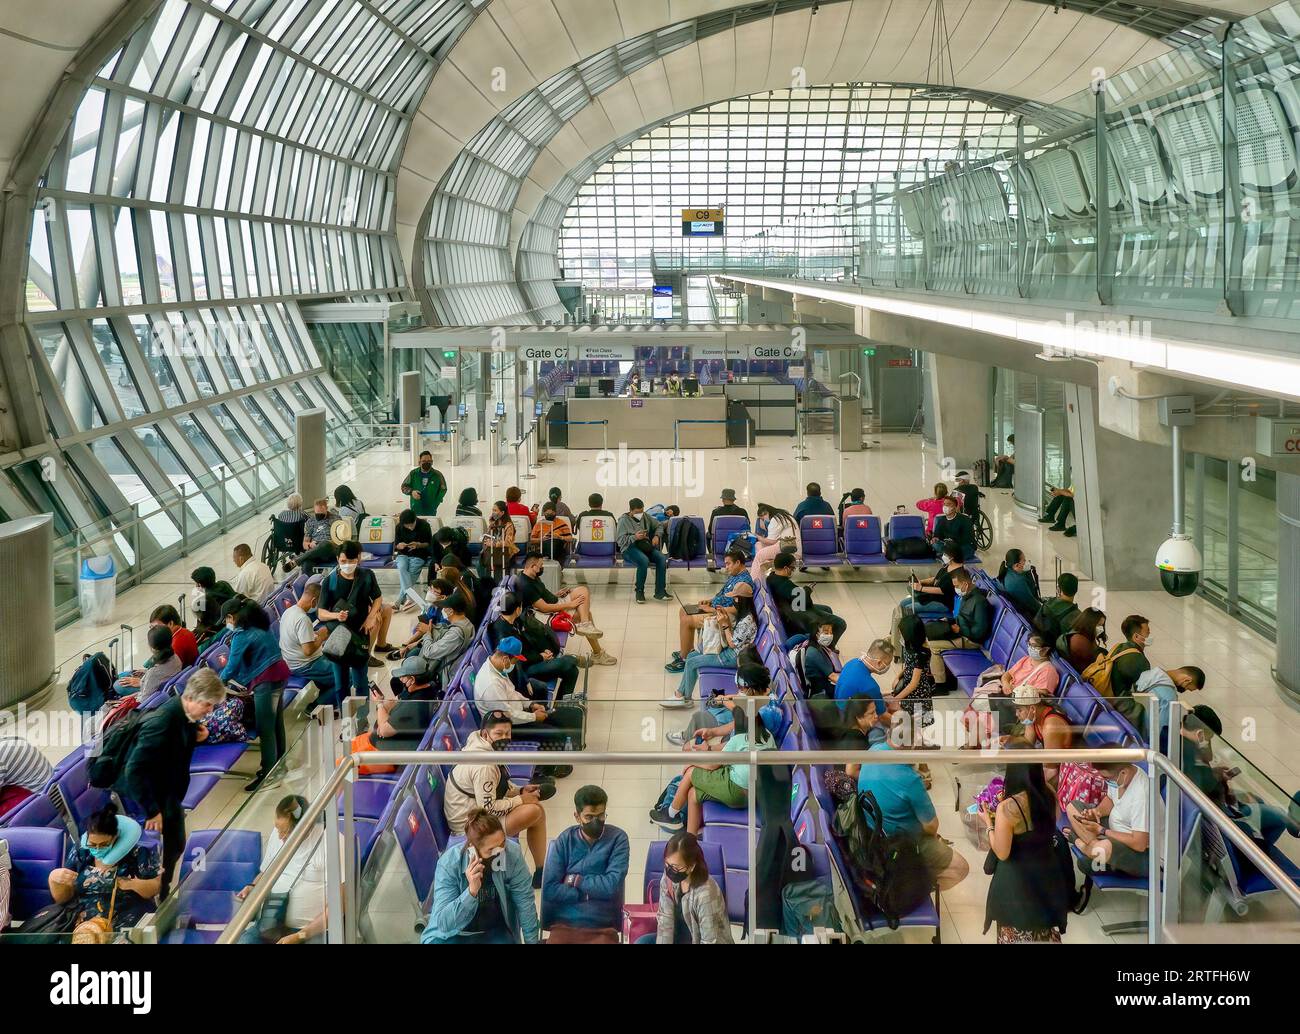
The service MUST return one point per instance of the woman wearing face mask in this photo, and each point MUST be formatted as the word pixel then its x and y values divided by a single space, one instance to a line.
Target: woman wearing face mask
pixel 1086 639
pixel 988 713
pixel 271 924
pixel 499 547
pixel 1020 583
pixel 933 506
pixel 712 725
pixel 108 872
pixel 913 690
pixel 482 890
pixel 206 599
pixel 736 633
pixel 728 784
pixel 692 909
pixel 781 528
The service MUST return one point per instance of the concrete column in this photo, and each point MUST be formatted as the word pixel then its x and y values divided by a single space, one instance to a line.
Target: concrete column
pixel 309 451
pixel 1123 497
pixel 1288 581
pixel 961 408
pixel 26 559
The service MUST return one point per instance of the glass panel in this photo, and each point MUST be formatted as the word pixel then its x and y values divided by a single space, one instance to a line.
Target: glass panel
pixel 1257 550
pixel 1215 526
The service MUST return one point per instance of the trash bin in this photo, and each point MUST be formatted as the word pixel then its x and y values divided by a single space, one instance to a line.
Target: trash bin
pixel 97 589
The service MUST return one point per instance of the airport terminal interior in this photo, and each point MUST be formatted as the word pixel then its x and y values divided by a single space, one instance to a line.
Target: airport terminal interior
pixel 702 402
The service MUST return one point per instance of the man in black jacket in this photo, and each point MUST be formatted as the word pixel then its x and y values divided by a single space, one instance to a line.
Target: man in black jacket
pixel 795 604
pixel 156 772
pixel 954 525
pixel 972 625
pixel 543 659
pixel 728 508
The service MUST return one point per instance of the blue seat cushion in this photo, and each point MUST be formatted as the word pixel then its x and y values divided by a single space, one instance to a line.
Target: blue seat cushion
pixel 964 663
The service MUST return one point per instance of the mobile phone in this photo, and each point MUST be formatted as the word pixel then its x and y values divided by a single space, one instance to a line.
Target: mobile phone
pixel 1232 773
pixel 471 852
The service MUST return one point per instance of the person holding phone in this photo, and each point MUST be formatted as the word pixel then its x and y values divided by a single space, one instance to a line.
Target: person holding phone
pixel 481 890
pixel 1115 835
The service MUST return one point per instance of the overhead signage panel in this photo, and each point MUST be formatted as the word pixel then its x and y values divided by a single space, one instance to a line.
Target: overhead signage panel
pixel 599 352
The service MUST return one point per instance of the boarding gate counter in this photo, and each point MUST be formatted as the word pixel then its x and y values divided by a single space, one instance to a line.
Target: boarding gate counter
pixel 648 422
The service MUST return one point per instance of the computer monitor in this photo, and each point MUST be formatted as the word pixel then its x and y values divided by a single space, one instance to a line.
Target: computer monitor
pixel 582 391
pixel 691 386
pixel 605 386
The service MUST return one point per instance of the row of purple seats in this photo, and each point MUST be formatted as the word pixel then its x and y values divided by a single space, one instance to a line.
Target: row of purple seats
pixel 231 860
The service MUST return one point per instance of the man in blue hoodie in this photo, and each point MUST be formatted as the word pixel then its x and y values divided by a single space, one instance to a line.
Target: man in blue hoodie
pixel 582 888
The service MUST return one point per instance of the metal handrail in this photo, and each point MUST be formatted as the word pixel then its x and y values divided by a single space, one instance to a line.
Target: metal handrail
pixel 343 776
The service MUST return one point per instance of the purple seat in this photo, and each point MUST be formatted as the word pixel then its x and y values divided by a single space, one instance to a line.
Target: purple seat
pixel 217 757
pixel 597 545
pixel 37 811
pixel 231 860
pixel 863 544
pixel 905 526
pixel 369 797
pixel 654 867
pixel 201 784
pixel 431 792
pixel 721 815
pixel 819 540
pixel 81 799
pixel 701 557
pixel 35 853
pixel 723 528
pixel 419 850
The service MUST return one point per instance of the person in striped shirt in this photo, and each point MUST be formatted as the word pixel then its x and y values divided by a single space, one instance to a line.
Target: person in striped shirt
pixel 23 772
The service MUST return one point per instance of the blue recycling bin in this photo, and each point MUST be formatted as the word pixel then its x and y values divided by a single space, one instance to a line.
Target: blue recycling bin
pixel 97 589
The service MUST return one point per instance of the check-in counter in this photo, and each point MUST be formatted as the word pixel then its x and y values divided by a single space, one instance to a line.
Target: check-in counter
pixel 771 404
pixel 647 422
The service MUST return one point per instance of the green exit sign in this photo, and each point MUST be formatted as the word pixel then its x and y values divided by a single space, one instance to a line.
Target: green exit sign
pixel 448 353
pixel 868 351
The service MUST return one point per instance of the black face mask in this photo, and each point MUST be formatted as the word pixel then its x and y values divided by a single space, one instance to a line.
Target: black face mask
pixel 594 828
pixel 500 744
pixel 675 874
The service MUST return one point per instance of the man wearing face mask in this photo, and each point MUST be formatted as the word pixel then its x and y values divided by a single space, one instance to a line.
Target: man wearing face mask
pixel 426 487
pixel 953 525
pixel 582 893
pixel 1116 834
pixel 350 596
pixel 553 728
pixel 486 785
pixel 856 680
pixel 1128 664
pixel 446 641
pixel 1041 724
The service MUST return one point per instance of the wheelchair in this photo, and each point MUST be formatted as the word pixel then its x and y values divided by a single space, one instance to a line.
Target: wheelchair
pixel 983 531
pixel 284 540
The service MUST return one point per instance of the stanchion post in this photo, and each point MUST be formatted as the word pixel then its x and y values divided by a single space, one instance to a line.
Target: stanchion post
pixel 800 419
pixel 749 443
pixel 677 445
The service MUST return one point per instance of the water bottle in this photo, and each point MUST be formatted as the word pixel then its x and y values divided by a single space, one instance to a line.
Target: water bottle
pixel 568 743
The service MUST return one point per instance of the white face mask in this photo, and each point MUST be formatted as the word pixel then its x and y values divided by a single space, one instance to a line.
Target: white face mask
pixel 1112 790
pixel 507 669
pixel 431 597
pixel 1146 642
pixel 448 616
pixel 825 638
pixel 1038 652
pixel 347 568
pixel 946 559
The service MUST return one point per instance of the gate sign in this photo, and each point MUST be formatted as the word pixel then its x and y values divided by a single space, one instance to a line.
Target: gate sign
pixel 544 353
pixel 789 353
pixel 701 222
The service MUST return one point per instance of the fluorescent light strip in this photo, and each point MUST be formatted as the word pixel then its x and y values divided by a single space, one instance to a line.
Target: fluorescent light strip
pixel 1265 372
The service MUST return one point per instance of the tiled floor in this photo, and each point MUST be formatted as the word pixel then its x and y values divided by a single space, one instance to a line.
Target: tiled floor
pixel 624 714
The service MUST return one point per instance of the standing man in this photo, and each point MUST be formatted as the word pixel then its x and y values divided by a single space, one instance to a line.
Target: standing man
pixel 426 487
pixel 156 771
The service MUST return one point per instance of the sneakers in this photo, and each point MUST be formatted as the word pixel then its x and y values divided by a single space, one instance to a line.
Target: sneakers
pixel 1071 531
pixel 1057 527
pixel 677 739
pixel 663 597
pixel 1046 520
pixel 661 816
pixel 604 657
pixel 374 662
pixel 640 597
pixel 675 665
pixel 588 629
pixel 675 702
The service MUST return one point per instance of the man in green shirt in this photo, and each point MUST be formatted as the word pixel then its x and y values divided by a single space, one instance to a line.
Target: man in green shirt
pixel 1129 665
pixel 426 487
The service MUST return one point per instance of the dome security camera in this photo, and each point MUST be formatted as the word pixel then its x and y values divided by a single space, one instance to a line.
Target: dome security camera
pixel 1179 564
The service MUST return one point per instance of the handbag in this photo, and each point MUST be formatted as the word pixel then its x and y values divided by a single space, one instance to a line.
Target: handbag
pixel 561 622
pixel 342 644
pixel 98 929
pixel 711 640
pixel 362 744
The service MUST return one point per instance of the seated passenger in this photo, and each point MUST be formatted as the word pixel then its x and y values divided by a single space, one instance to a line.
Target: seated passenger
pixel 1128 664
pixel 910 696
pixel 970 494
pixel 292 914
pixel 107 871
pixel 733 636
pixel 728 784
pixel 206 599
pixel 1059 511
pixel 23 772
pixel 795 603
pixel 467 504
pixel 814 662
pixel 477 592
pixel 478 898
pixel 595 507
pixel 968 630
pixel 1165 684
pixel 711 725
pixel 445 641
pixel 812 504
pixel 412 549
pixel 449 541
pixel 726 508
pixel 1041 724
pixel 692 909
pixel 499 547
pixel 954 526
pixel 514 504
pixel 161 665
pixel 544 660
pixel 637 536
pixel 738 583
pixel 861 727
pixel 1058 614
pixel 184 645
pixel 486 785
pixel 933 507
pixel 858 678
pixel 349 507
pixel 854 504
pixel 574 600
pixel 906 808
pixel 552 727
pixel 1085 640
pixel 252 578
pixel 318 549
pixel 931 598
pixel 1020 583
pixel 561 507
pixel 400 721
pixel 780 535
pixel 552 535
pixel 989 713
pixel 1004 466
pixel 292 512
pixel 300 646
pixel 582 888
pixel 1115 835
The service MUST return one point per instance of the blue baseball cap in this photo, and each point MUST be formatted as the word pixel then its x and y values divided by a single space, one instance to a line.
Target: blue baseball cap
pixel 512 647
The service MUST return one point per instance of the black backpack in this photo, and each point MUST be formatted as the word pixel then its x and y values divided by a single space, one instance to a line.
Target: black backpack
pixel 686 543
pixel 908 549
pixel 107 765
pixel 91 685
pixel 889 868
pixel 1051 624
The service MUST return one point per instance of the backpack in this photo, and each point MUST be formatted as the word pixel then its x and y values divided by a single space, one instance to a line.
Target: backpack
pixel 1051 624
pixel 743 541
pixel 1099 671
pixel 658 512
pixel 889 868
pixel 908 549
pixel 687 543
pixel 106 767
pixel 91 685
pixel 807 905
